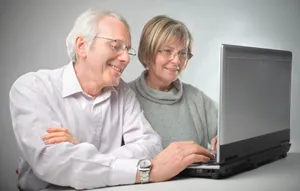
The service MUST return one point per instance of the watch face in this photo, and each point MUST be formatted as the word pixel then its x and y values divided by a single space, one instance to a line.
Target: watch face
pixel 145 163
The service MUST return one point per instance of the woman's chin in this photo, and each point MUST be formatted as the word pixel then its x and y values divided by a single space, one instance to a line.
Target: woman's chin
pixel 170 80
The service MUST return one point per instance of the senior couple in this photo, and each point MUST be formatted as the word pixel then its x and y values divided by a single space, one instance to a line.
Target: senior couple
pixel 82 126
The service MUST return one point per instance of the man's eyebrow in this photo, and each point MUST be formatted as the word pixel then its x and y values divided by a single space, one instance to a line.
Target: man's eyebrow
pixel 128 46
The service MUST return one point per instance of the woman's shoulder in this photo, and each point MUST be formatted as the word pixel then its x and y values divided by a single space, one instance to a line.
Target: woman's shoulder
pixel 194 93
pixel 199 97
pixel 191 90
pixel 132 84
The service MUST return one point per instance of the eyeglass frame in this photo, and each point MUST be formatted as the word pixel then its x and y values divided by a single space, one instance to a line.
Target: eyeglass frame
pixel 123 47
pixel 172 55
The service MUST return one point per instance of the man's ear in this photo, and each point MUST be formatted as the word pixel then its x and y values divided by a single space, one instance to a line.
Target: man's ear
pixel 81 47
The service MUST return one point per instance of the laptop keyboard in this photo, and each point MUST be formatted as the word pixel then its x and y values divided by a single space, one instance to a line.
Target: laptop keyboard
pixel 210 162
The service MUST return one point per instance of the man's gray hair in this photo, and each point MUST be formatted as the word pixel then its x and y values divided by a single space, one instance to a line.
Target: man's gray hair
pixel 86 25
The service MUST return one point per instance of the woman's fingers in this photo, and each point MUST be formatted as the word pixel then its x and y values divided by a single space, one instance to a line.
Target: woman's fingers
pixel 213 144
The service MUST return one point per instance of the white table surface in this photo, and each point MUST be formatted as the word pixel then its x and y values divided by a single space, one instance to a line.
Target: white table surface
pixel 283 174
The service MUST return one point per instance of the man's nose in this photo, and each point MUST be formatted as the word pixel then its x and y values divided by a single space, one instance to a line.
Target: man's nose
pixel 124 57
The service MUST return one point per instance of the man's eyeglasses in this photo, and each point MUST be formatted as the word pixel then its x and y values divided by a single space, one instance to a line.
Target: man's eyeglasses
pixel 119 46
pixel 170 54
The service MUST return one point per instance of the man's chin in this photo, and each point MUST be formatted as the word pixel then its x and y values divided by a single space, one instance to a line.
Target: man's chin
pixel 116 82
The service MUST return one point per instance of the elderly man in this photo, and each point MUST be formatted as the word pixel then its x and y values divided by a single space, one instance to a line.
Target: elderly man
pixel 87 98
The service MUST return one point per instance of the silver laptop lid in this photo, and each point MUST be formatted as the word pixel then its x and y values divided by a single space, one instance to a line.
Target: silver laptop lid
pixel 255 93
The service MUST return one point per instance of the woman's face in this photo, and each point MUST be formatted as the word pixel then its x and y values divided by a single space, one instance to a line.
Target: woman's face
pixel 170 60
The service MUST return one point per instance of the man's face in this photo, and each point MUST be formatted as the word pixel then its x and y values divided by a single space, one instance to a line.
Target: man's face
pixel 103 58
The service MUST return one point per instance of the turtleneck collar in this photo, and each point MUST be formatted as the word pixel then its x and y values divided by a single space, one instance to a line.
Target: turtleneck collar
pixel 170 97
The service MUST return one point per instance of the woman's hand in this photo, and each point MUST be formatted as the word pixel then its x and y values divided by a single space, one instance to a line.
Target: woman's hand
pixel 59 135
pixel 213 144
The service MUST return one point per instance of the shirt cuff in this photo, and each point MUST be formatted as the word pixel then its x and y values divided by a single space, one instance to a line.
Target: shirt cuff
pixel 123 171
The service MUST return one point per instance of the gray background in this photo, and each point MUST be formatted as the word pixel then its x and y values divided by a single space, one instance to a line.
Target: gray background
pixel 32 36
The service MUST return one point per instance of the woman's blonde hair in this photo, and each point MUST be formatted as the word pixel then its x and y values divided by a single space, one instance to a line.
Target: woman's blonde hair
pixel 159 30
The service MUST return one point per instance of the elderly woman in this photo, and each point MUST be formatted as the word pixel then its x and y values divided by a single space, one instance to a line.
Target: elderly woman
pixel 177 111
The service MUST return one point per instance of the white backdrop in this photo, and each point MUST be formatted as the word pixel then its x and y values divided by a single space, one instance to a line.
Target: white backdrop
pixel 32 36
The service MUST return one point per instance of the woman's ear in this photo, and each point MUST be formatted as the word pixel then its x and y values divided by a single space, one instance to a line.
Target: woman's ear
pixel 146 65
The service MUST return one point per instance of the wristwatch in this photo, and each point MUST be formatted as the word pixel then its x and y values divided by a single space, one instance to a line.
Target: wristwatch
pixel 144 167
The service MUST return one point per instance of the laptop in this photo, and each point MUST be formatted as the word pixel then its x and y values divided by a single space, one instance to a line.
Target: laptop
pixel 254 111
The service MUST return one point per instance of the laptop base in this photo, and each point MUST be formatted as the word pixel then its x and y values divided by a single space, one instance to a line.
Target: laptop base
pixel 239 165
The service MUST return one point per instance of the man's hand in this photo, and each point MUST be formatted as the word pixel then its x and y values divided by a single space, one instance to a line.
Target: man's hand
pixel 59 135
pixel 175 158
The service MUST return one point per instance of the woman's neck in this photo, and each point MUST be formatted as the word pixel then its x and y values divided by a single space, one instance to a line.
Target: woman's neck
pixel 154 83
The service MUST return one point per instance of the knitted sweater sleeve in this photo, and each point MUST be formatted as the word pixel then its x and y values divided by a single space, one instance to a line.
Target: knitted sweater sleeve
pixel 210 112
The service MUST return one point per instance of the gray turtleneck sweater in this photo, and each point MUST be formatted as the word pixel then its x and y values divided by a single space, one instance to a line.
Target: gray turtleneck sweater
pixel 181 114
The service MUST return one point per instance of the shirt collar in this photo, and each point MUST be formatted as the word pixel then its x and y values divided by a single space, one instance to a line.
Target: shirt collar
pixel 71 84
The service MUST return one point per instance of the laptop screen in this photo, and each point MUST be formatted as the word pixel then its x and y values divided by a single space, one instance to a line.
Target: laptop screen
pixel 255 94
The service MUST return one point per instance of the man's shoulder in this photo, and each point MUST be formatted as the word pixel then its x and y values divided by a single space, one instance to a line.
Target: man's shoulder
pixel 42 77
